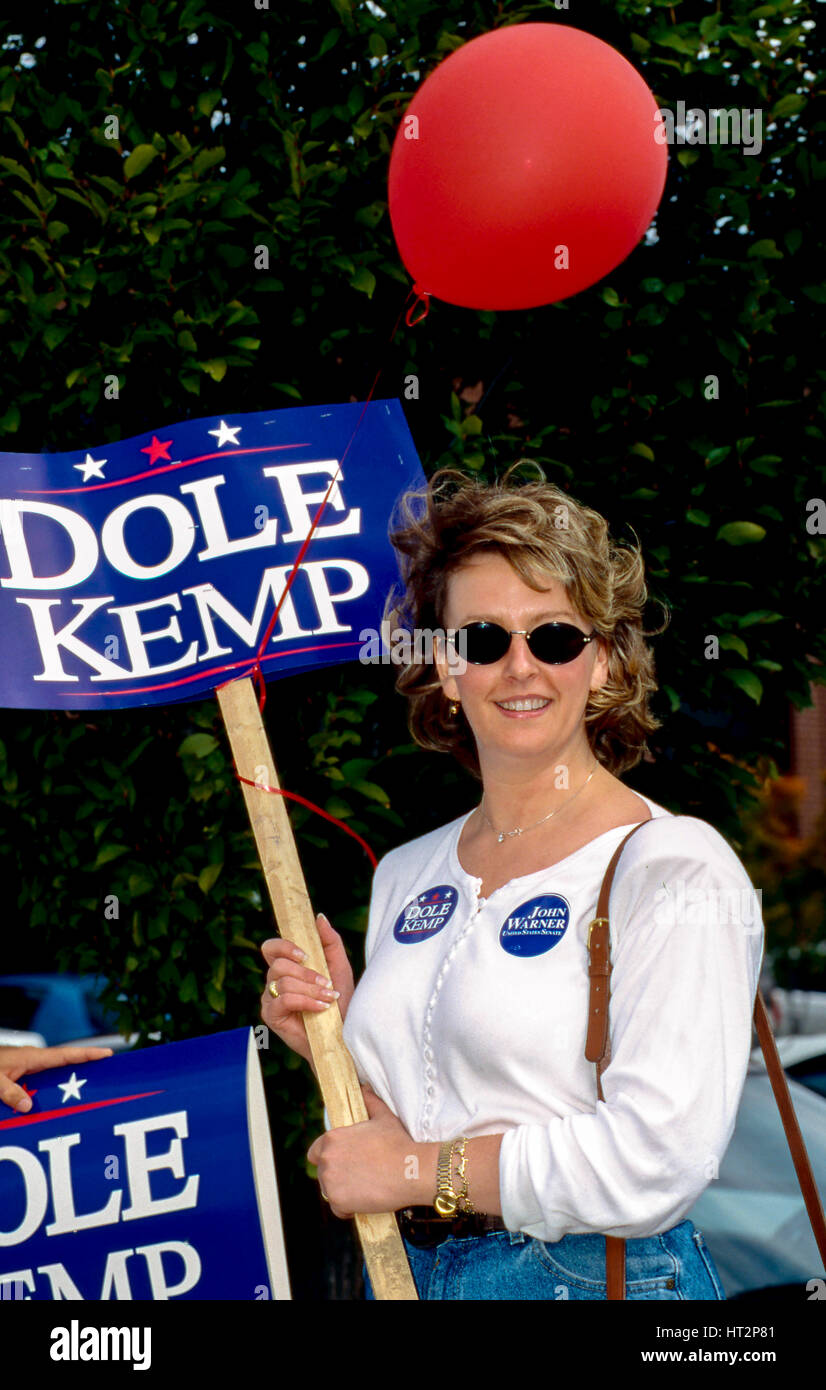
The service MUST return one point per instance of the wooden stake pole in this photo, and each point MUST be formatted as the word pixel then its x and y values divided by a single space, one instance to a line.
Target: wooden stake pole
pixel 384 1252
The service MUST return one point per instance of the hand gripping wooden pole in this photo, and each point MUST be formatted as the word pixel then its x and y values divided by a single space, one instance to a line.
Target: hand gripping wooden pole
pixel 384 1252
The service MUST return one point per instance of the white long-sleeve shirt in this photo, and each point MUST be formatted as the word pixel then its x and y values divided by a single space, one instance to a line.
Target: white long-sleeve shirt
pixel 471 1017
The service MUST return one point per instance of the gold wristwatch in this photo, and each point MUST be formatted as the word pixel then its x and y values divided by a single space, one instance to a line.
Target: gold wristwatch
pixel 446 1200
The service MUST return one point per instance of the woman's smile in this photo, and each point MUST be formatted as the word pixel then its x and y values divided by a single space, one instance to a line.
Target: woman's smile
pixel 525 707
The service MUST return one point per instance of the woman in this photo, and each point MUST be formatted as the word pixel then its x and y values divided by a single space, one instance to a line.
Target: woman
pixel 469 1022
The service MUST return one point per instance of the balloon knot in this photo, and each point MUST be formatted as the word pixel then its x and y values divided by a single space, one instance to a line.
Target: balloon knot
pixel 422 297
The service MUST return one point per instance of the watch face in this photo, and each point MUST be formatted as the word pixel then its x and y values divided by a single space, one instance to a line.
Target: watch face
pixel 444 1205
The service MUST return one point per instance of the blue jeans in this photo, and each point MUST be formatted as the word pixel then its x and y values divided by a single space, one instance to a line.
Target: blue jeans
pixel 511 1265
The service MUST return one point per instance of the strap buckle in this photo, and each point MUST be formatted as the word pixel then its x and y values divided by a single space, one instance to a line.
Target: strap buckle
pixel 595 923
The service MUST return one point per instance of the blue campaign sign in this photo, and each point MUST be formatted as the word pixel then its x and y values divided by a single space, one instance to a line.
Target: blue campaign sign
pixel 147 1175
pixel 147 571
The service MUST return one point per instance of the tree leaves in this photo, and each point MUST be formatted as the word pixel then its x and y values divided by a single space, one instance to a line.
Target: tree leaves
pixel 140 159
pixel 364 280
pixel 741 533
pixel 108 853
pixel 198 746
pixel 209 876
pixel 748 682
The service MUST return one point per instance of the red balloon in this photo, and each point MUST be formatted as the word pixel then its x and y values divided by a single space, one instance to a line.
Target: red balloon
pixel 534 166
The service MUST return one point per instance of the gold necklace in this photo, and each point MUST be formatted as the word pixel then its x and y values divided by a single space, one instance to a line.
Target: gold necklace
pixel 522 829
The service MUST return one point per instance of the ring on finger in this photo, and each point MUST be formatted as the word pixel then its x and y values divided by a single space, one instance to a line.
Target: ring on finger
pixel 273 989
pixel 323 1193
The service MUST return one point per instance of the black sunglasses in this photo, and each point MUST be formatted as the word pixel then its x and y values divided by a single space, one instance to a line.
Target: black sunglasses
pixel 554 644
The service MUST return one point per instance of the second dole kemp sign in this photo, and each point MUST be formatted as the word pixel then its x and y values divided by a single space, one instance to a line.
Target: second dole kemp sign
pixel 146 572
pixel 144 1176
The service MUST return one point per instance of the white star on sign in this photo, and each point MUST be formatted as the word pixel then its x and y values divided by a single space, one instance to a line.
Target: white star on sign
pixel 71 1088
pixel 91 468
pixel 227 434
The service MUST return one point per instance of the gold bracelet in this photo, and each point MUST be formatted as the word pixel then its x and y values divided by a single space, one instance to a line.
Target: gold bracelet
pixel 465 1203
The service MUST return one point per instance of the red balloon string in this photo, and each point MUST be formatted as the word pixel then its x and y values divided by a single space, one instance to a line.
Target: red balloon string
pixel 293 796
pixel 256 671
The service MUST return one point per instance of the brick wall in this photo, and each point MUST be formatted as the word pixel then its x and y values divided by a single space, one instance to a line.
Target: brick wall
pixel 808 756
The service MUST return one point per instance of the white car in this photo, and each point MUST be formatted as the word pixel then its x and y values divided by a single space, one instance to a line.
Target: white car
pixel 54 1008
pixel 752 1215
pixel 15 1037
pixel 792 1049
pixel 796 1011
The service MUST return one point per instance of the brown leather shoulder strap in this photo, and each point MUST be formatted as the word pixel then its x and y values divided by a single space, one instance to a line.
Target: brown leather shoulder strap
pixel 598 1042
pixel 800 1157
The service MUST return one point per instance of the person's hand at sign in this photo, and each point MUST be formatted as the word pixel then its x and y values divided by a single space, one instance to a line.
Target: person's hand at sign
pixel 292 989
pixel 19 1061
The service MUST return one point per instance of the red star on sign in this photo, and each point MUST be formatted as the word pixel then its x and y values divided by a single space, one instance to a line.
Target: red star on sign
pixel 28 1092
pixel 156 450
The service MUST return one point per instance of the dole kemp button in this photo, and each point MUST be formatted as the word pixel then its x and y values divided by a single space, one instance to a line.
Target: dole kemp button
pixel 426 915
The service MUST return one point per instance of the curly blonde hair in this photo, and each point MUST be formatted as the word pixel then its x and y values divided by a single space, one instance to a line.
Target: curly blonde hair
pixel 543 533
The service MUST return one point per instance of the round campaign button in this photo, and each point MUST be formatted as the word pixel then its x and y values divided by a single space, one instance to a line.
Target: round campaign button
pixel 426 915
pixel 535 926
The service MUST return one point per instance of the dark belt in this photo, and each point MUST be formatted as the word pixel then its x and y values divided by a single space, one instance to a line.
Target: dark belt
pixel 421 1226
